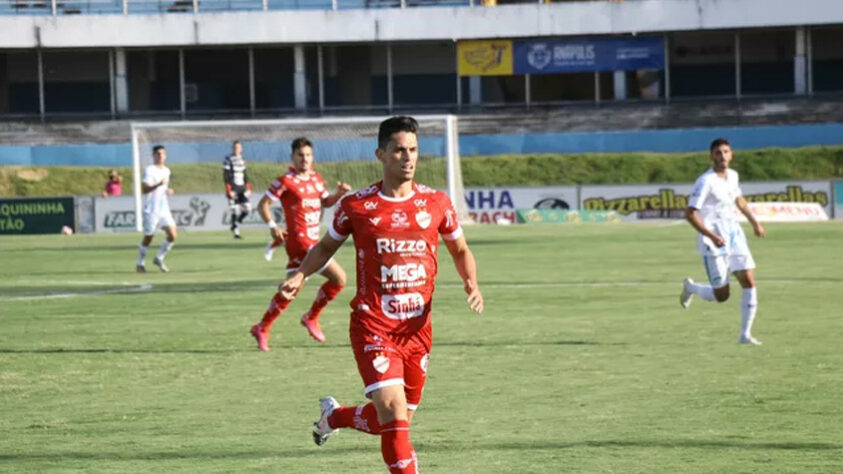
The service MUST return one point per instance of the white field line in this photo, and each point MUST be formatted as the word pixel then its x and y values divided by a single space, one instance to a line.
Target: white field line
pixel 53 296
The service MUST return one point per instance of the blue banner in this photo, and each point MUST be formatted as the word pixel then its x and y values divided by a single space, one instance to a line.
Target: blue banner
pixel 588 55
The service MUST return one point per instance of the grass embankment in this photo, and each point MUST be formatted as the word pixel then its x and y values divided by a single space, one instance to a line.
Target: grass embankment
pixel 499 170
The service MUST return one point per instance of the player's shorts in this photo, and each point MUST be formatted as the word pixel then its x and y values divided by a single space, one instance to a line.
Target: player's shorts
pixel 152 221
pixel 718 267
pixel 239 199
pixel 382 362
pixel 296 251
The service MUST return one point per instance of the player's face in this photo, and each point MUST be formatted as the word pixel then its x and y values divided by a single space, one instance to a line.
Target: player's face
pixel 400 157
pixel 160 156
pixel 303 159
pixel 721 157
pixel 237 149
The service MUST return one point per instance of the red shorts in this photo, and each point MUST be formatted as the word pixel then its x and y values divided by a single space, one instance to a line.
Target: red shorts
pixel 296 251
pixel 382 362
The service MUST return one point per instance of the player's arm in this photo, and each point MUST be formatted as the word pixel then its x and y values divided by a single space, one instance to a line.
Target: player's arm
pixel 332 199
pixel 692 215
pixel 227 176
pixel 248 182
pixel 277 233
pixel 316 258
pixel 467 269
pixel 147 188
pixel 747 212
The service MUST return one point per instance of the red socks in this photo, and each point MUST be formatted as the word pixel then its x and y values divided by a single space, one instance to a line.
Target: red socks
pixel 276 243
pixel 327 292
pixel 276 306
pixel 396 449
pixel 362 418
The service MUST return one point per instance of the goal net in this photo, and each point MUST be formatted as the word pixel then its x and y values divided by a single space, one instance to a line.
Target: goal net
pixel 343 150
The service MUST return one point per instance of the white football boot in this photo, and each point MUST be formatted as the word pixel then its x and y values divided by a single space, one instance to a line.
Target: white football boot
pixel 321 429
pixel 686 295
pixel 748 340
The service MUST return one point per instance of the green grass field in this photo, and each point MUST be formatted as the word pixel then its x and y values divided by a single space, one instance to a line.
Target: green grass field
pixel 583 361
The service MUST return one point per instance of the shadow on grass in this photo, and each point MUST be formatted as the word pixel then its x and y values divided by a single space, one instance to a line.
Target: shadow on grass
pixel 287 453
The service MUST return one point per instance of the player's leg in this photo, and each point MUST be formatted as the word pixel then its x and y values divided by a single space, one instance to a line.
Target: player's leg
pixel 232 209
pixel 745 273
pixel 172 232
pixel 150 223
pixel 717 271
pixel 245 207
pixel 277 305
pixel 327 292
pixel 396 449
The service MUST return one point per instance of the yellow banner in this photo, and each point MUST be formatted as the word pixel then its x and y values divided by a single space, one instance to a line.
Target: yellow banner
pixel 485 58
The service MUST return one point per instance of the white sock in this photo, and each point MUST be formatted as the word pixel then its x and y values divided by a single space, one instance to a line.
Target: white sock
pixel 705 292
pixel 165 247
pixel 141 254
pixel 749 304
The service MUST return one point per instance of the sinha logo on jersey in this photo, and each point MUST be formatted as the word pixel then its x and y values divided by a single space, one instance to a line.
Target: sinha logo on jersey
pixel 402 306
pixel 400 246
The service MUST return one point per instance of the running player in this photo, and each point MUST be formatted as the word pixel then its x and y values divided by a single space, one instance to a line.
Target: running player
pixel 156 209
pixel 238 188
pixel 721 241
pixel 302 194
pixel 396 225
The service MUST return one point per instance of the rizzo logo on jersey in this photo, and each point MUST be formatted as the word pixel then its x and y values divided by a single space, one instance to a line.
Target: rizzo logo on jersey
pixel 402 306
pixel 400 246
pixel 311 202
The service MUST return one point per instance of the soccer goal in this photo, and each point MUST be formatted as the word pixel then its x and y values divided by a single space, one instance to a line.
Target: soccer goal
pixel 343 147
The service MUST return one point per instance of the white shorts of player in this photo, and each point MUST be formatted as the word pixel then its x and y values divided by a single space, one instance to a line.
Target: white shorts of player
pixel 152 221
pixel 718 267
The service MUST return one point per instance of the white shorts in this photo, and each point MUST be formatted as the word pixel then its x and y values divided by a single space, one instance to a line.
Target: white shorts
pixel 152 221
pixel 718 267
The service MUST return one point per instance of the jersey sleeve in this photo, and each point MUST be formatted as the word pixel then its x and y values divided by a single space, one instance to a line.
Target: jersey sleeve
pixel 276 189
pixel 227 173
pixel 449 227
pixel 341 228
pixel 699 193
pixel 149 177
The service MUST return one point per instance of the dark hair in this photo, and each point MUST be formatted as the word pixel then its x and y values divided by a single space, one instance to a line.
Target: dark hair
pixel 393 125
pixel 156 148
pixel 717 142
pixel 236 142
pixel 300 142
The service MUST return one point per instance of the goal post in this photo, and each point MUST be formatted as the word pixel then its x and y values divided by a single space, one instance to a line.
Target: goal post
pixel 343 149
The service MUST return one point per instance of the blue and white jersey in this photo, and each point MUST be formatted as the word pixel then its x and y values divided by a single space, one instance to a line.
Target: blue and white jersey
pixel 155 201
pixel 715 197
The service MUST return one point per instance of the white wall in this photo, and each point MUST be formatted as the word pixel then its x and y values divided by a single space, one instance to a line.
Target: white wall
pixel 431 23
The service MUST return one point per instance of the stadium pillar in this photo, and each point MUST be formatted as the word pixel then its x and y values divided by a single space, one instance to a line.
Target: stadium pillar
pixel 121 84
pixel 475 93
pixel 298 77
pixel 800 69
pixel 620 85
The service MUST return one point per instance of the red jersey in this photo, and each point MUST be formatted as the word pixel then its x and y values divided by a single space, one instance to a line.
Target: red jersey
pixel 301 198
pixel 395 241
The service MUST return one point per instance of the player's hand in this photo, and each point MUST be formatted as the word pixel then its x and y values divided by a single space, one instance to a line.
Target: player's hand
pixel 278 234
pixel 759 230
pixel 717 240
pixel 230 194
pixel 248 193
pixel 342 188
pixel 291 287
pixel 475 298
pixel 170 191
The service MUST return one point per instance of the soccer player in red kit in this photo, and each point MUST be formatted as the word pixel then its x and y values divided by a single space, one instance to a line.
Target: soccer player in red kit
pixel 396 225
pixel 302 194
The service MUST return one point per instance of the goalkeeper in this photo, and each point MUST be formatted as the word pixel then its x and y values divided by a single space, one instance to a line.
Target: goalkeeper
pixel 238 188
